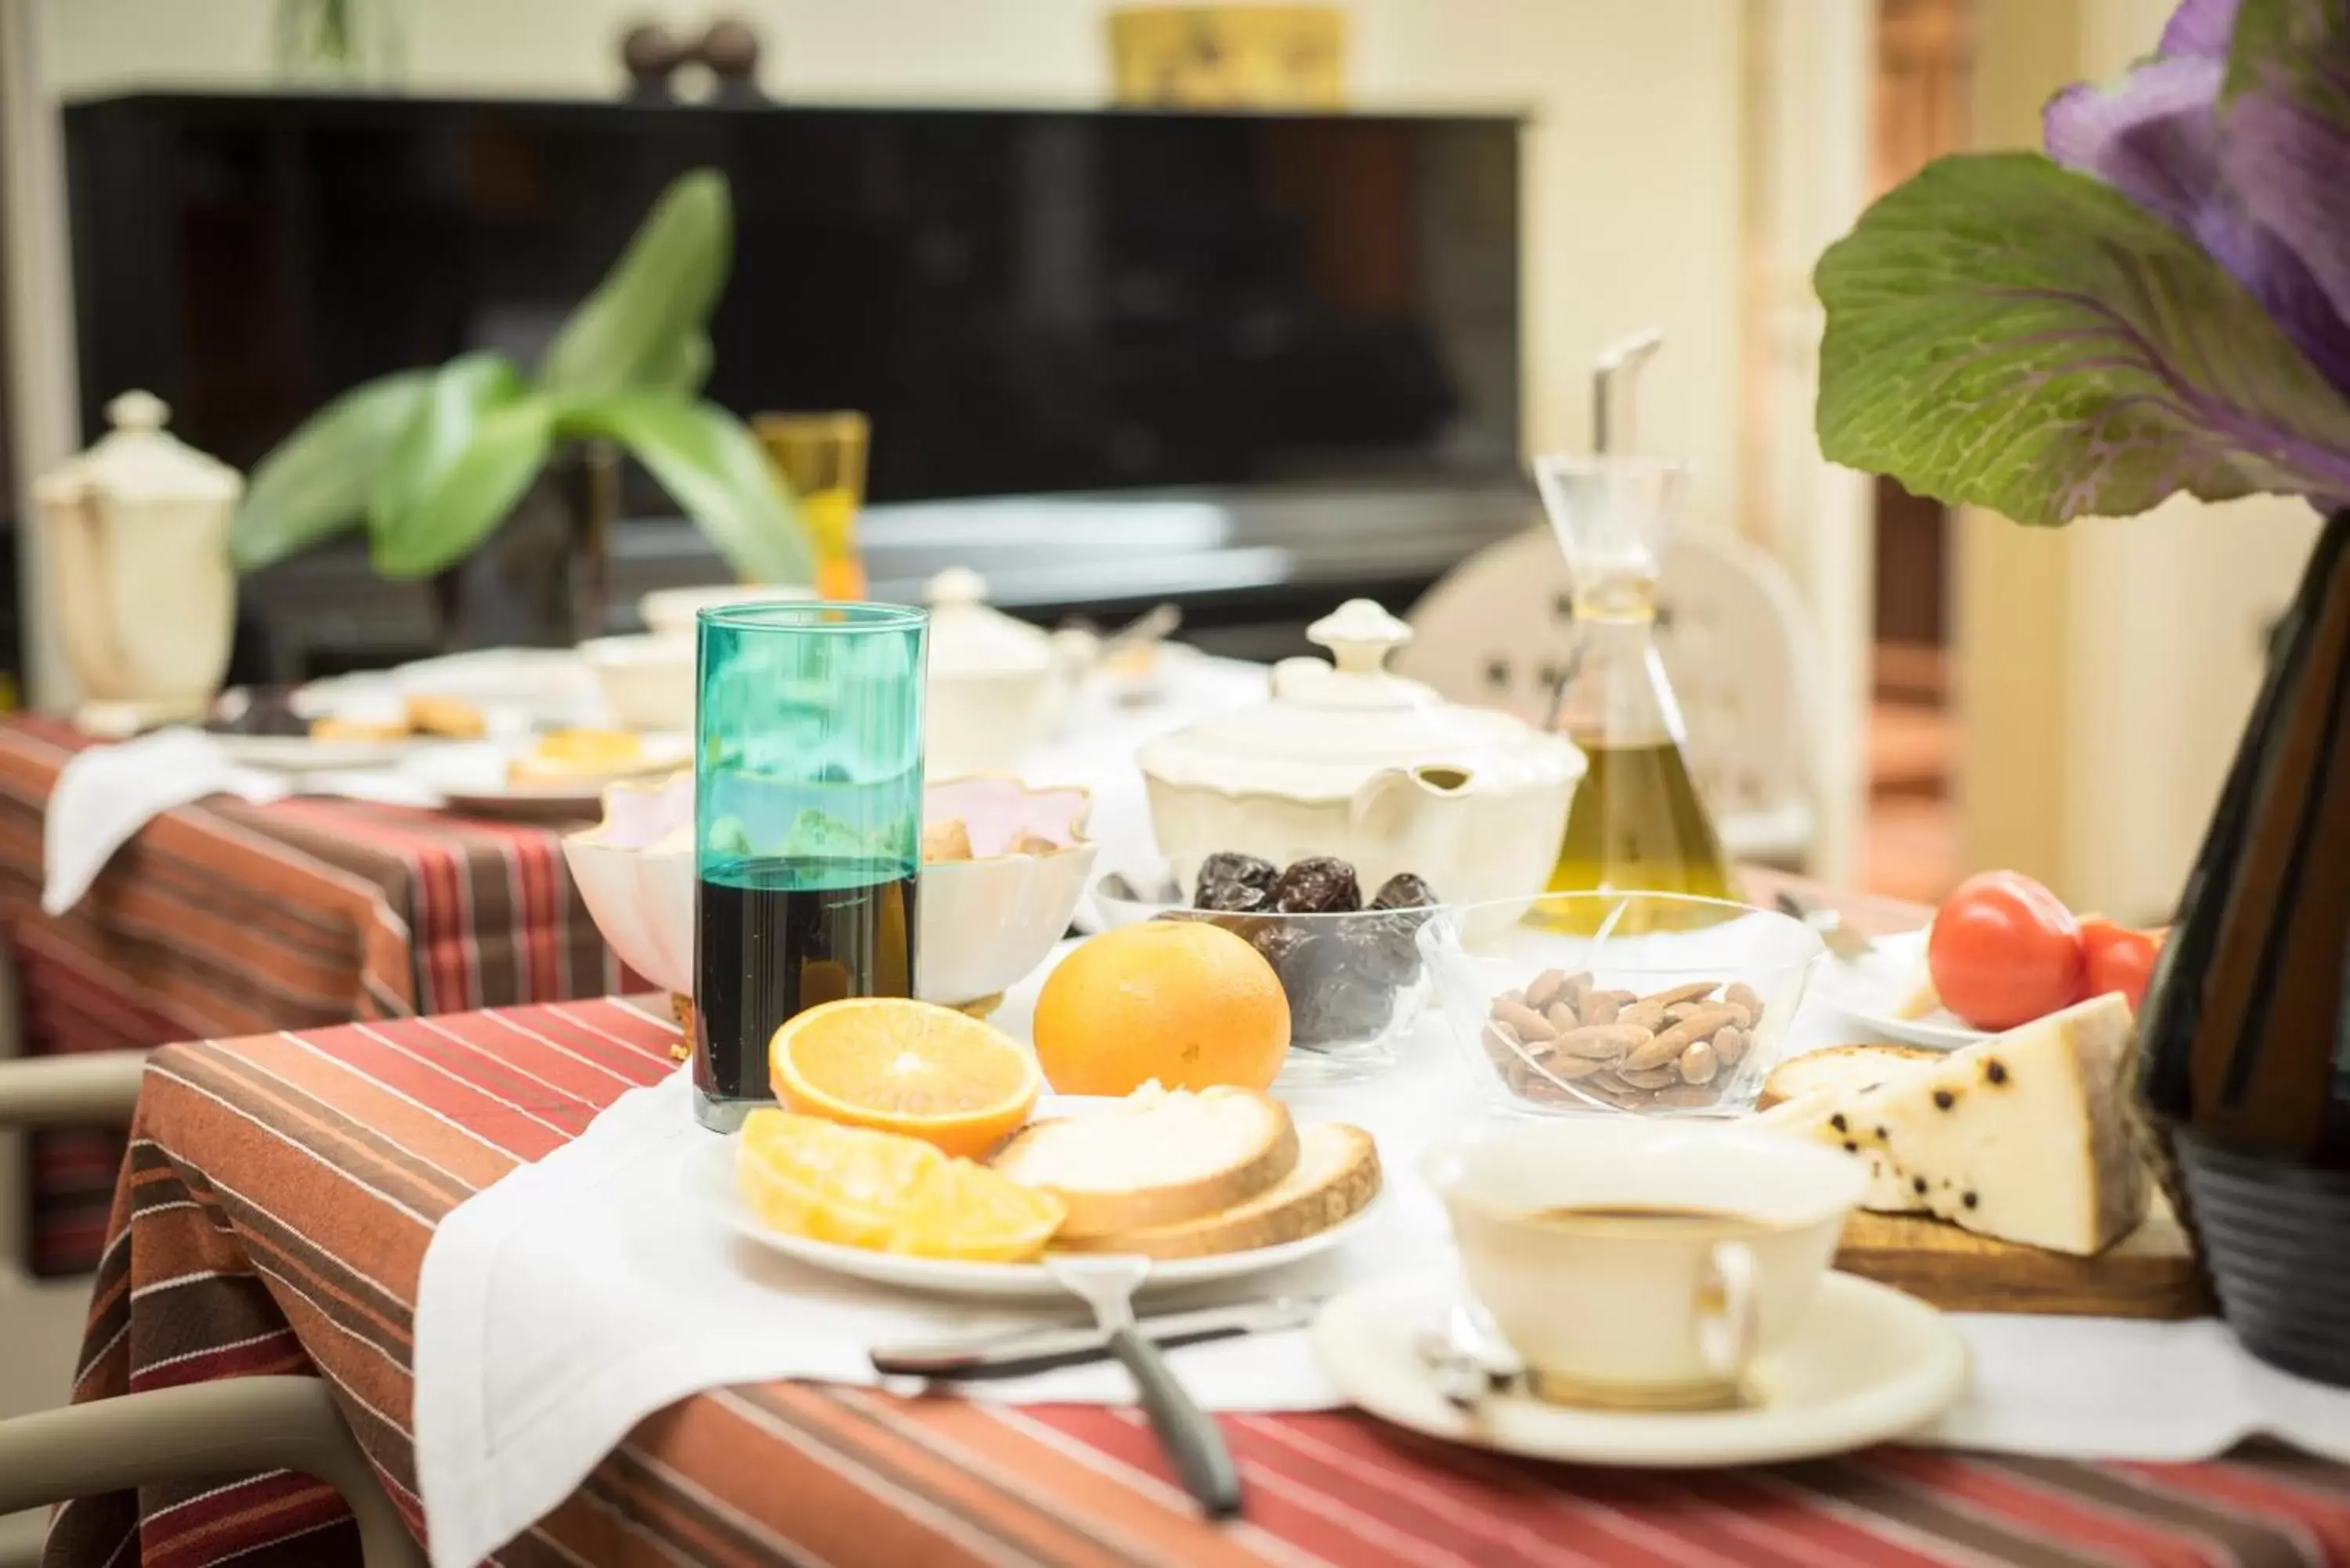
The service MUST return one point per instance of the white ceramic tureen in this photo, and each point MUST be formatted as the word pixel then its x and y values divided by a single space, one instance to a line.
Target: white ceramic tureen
pixel 998 686
pixel 1348 760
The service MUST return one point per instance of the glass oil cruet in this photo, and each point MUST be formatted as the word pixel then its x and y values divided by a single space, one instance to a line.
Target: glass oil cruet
pixel 1636 822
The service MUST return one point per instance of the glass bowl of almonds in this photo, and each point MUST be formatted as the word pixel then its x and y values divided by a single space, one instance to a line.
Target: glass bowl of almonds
pixel 1654 1004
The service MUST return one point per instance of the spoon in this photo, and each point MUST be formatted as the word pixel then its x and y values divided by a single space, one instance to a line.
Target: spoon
pixel 1469 1359
pixel 1107 1283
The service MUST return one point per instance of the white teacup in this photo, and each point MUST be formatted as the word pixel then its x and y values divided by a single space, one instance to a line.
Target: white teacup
pixel 1640 1263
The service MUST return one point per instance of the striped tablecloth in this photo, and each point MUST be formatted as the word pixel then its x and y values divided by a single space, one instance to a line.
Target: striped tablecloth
pixel 224 918
pixel 280 1190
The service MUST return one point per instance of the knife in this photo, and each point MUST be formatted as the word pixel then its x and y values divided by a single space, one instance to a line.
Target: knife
pixel 1020 1352
pixel 1843 941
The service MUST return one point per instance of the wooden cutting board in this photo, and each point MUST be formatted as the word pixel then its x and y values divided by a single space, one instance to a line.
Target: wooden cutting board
pixel 2149 1273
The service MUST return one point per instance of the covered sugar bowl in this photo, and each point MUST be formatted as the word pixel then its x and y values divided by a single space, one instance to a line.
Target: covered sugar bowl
pixel 1348 760
pixel 137 531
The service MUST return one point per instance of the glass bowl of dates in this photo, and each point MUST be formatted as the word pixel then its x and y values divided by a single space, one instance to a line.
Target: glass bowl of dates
pixel 1349 956
pixel 1652 1003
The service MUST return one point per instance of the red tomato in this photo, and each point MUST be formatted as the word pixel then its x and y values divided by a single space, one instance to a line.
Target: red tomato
pixel 2004 950
pixel 2117 959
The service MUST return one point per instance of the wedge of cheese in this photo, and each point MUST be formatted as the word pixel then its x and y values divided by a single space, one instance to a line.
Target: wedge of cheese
pixel 2022 1136
pixel 1827 1117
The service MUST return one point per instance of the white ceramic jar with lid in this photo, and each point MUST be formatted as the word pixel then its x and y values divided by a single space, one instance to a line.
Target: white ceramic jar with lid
pixel 998 686
pixel 137 537
pixel 1348 760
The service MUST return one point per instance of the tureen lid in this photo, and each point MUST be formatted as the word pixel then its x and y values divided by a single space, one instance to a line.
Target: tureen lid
pixel 1330 726
pixel 139 460
pixel 968 635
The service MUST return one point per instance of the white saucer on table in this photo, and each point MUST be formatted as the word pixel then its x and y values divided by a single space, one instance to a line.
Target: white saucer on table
pixel 711 1183
pixel 1866 990
pixel 1867 1365
pixel 470 775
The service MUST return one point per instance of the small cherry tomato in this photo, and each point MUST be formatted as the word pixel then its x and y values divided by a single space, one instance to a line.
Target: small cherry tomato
pixel 2117 959
pixel 2006 950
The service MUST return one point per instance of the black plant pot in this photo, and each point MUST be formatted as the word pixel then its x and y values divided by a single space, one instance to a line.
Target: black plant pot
pixel 2244 1050
pixel 540 579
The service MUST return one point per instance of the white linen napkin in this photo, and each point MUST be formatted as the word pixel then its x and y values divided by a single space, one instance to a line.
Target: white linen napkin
pixel 577 1296
pixel 105 794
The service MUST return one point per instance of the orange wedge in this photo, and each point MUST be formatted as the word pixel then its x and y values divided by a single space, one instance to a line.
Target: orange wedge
pixel 817 1179
pixel 967 1211
pixel 908 1067
pixel 855 1187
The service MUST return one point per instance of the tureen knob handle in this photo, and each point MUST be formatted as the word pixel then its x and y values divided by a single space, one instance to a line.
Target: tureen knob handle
pixel 956 586
pixel 1359 635
pixel 136 410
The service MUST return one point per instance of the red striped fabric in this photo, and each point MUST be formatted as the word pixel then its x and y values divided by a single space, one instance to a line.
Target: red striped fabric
pixel 281 1189
pixel 224 918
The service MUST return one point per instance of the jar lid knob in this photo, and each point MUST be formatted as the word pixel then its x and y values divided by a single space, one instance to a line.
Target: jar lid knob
pixel 1359 635
pixel 956 586
pixel 137 410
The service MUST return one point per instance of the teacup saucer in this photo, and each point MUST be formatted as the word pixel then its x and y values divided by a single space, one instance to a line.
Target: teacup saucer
pixel 1868 1363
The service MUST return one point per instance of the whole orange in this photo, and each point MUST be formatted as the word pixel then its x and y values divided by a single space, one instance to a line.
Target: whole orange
pixel 1184 1002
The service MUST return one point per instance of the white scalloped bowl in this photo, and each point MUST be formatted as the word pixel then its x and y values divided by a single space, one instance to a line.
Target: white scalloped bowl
pixel 985 922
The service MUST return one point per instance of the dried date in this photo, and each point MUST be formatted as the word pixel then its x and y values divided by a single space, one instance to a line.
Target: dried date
pixel 1319 884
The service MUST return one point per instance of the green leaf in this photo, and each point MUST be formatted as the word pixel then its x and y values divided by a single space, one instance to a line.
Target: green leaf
pixel 712 466
pixel 628 333
pixel 2004 333
pixel 316 483
pixel 683 369
pixel 465 500
pixel 437 435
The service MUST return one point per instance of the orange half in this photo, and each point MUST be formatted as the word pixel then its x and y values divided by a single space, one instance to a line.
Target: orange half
pixel 903 1067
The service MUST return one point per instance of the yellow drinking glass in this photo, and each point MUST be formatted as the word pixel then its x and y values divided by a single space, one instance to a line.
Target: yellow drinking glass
pixel 822 457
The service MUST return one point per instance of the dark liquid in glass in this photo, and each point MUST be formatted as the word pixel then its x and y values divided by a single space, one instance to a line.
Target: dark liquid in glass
pixel 777 936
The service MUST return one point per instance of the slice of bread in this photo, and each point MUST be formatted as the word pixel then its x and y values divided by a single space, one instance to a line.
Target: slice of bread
pixel 1840 1068
pixel 1338 1172
pixel 1158 1157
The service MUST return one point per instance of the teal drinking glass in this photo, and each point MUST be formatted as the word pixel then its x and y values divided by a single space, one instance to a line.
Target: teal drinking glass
pixel 807 806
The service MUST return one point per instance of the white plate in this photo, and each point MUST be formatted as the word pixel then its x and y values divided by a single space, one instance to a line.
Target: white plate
pixel 472 775
pixel 1866 1365
pixel 1866 990
pixel 302 754
pixel 713 1185
pixel 551 687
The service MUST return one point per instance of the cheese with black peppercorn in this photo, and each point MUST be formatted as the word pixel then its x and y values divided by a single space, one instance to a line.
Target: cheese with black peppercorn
pixel 2022 1136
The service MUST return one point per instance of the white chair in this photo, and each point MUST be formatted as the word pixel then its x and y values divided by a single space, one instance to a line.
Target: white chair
pixel 192 1433
pixel 1498 631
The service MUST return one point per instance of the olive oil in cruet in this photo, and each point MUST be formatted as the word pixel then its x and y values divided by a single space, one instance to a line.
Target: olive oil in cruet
pixel 1637 823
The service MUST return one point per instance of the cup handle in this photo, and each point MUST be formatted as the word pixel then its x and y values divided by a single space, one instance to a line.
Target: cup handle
pixel 1729 1309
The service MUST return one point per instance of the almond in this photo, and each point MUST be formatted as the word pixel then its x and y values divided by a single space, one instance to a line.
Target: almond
pixel 1646 1014
pixel 1730 1044
pixel 1599 1007
pixel 1601 1041
pixel 1543 989
pixel 1689 993
pixel 1745 996
pixel 1697 1063
pixel 1524 1020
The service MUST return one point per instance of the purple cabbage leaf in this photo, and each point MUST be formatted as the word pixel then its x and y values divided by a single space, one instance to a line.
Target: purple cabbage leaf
pixel 2161 304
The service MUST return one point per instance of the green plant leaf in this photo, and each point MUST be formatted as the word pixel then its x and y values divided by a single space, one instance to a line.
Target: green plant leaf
pixel 316 483
pixel 464 500
pixel 2004 333
pixel 712 466
pixel 662 290
pixel 438 433
pixel 683 369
